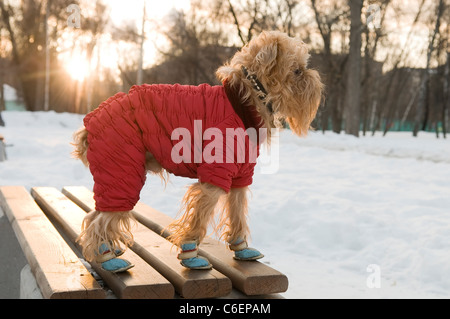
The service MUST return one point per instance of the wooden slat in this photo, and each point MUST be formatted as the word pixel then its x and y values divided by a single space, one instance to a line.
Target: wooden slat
pixel 58 271
pixel 141 281
pixel 161 254
pixel 252 278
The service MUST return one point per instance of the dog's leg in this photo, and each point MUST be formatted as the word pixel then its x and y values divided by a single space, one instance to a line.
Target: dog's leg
pixel 117 163
pixel 102 233
pixel 188 231
pixel 236 208
pixel 234 221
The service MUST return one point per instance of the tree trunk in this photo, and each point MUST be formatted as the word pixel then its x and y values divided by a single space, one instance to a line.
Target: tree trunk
pixel 2 99
pixel 47 59
pixel 446 102
pixel 139 78
pixel 422 111
pixel 353 88
pixel 2 92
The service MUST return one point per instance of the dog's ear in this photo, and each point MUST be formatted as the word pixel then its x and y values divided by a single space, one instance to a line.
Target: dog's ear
pixel 267 55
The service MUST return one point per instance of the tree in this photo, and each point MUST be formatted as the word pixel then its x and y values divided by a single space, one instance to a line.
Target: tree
pixel 331 19
pixel 422 112
pixel 374 33
pixel 2 81
pixel 141 48
pixel 94 26
pixel 244 18
pixel 24 22
pixel 353 89
pixel 395 81
pixel 197 47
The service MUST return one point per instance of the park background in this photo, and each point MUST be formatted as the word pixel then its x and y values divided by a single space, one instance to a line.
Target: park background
pixel 385 63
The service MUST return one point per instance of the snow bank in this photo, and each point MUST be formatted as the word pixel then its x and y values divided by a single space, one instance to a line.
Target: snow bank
pixel 9 92
pixel 394 144
pixel 339 214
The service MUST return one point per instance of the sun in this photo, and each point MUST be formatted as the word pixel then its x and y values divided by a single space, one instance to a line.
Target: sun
pixel 78 68
pixel 77 65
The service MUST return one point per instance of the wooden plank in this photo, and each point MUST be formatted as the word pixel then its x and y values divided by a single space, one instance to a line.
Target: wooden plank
pixel 58 271
pixel 161 254
pixel 252 278
pixel 141 281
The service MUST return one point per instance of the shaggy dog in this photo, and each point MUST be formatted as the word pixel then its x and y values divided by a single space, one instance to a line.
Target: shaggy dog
pixel 266 84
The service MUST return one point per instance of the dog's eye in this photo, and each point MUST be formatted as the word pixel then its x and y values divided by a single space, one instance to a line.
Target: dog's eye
pixel 297 72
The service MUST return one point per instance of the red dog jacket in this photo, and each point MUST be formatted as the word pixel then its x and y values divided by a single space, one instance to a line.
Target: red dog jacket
pixel 126 126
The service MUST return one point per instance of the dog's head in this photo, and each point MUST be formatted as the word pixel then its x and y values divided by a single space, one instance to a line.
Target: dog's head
pixel 278 63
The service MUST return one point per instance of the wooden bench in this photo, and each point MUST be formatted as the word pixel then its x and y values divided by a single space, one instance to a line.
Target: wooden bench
pixel 48 221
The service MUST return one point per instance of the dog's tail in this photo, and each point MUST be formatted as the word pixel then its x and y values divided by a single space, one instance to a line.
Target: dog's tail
pixel 81 145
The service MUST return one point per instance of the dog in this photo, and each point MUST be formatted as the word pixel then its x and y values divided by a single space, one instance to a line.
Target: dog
pixel 265 85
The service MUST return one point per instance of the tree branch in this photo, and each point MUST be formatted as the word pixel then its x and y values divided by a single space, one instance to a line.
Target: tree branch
pixel 236 22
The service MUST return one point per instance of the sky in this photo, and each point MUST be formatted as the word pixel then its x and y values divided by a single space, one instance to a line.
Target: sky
pixel 156 9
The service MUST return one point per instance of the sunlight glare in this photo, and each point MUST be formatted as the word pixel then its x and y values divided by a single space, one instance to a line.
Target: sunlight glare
pixel 78 68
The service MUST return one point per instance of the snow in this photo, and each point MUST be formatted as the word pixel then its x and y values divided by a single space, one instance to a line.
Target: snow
pixel 339 214
pixel 9 93
pixel 28 285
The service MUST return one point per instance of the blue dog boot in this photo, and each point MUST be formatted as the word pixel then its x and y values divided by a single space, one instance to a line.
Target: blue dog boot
pixel 189 257
pixel 107 258
pixel 243 252
pixel 117 250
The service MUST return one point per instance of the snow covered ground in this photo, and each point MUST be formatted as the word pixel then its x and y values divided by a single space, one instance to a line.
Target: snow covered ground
pixel 343 217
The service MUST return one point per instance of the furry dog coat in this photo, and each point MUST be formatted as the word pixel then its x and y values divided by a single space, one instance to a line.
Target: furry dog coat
pixel 127 126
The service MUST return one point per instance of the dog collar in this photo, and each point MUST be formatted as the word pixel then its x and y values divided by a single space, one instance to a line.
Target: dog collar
pixel 257 85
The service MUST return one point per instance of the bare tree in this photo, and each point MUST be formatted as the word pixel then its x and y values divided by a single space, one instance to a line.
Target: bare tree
pixel 250 17
pixel 372 69
pixel 422 111
pixel 24 22
pixel 332 64
pixel 446 100
pixel 389 99
pixel 93 25
pixel 353 89
pixel 197 46
pixel 141 48
pixel 2 81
